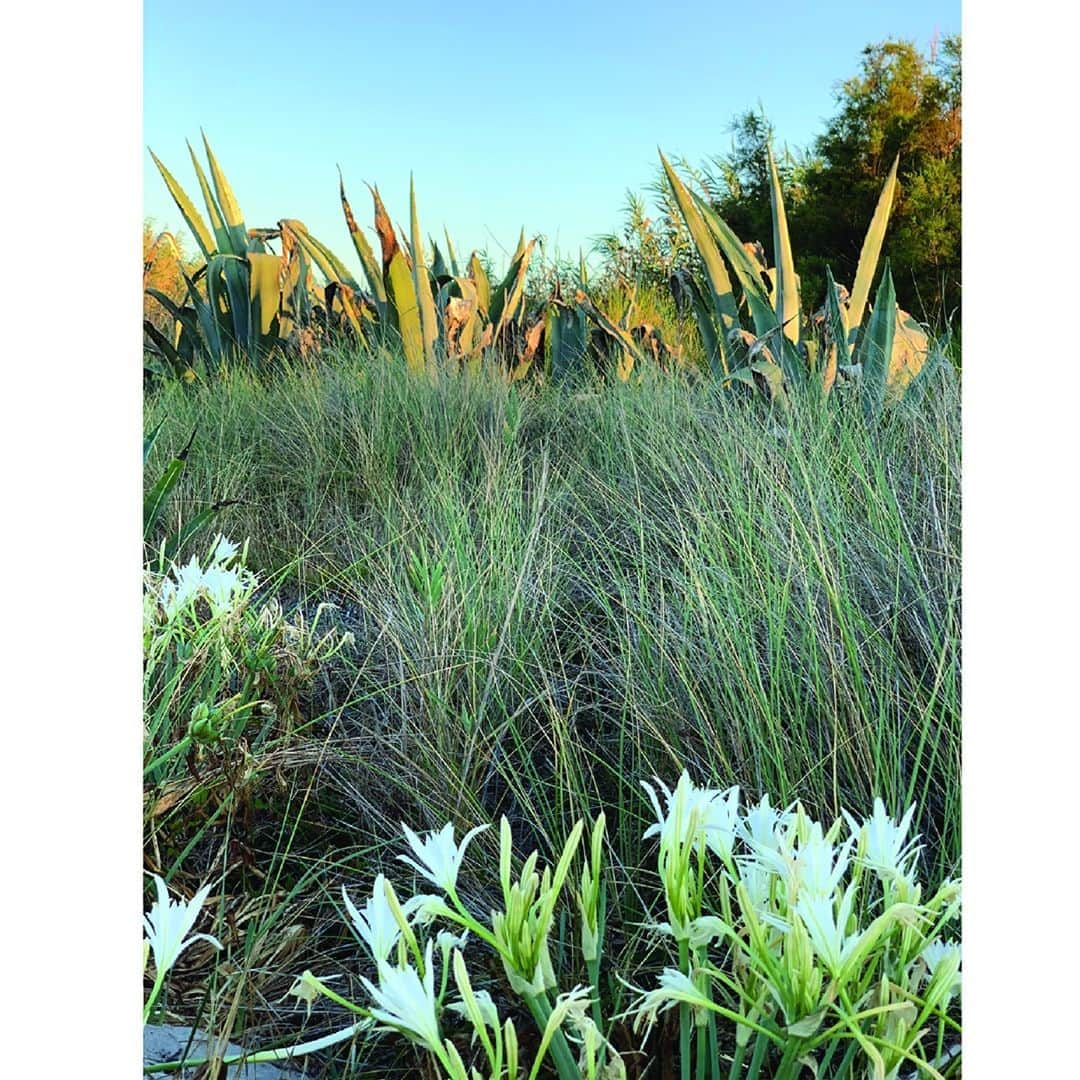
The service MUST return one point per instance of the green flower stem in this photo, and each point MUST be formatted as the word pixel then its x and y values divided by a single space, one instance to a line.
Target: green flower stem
pixel 760 1047
pixel 540 1008
pixel 593 967
pixel 173 751
pixel 463 918
pixel 684 1015
pixel 714 1051
pixel 155 990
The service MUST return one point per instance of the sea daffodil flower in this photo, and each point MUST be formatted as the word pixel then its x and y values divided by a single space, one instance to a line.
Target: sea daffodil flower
pixel 167 925
pixel 438 858
pixel 406 1002
pixel 883 842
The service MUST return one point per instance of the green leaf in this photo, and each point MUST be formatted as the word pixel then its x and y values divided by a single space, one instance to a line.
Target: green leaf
pixel 149 440
pixel 230 208
pixel 154 501
pixel 726 311
pixel 746 270
pixel 192 217
pixel 401 293
pixel 222 235
pixel 871 250
pixel 787 288
pixel 429 326
pixel 875 347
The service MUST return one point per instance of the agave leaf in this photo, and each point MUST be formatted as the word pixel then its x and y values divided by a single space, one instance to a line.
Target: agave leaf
pixel 746 270
pixel 923 378
pixel 439 268
pixel 192 217
pixel 364 250
pixel 233 309
pixel 165 347
pixel 534 337
pixel 774 379
pixel 837 326
pixel 911 346
pixel 429 326
pixel 787 288
pixel 230 208
pixel 454 271
pixel 726 311
pixel 507 297
pixel 222 235
pixel 339 290
pixel 206 319
pixel 716 347
pixel 483 286
pixel 462 320
pixel 332 268
pixel 871 251
pixel 401 294
pixel 629 351
pixel 385 229
pixel 875 347
pixel 265 289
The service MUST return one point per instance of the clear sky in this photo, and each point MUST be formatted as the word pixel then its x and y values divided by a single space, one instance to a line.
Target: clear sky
pixel 536 115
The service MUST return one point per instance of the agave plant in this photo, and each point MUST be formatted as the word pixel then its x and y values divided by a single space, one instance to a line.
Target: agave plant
pixel 244 301
pixel 438 312
pixel 761 339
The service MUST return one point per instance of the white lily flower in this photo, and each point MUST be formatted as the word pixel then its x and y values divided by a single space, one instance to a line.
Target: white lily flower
pixel 762 825
pixel 814 868
pixel 758 880
pixel 942 960
pixel 375 924
pixel 179 591
pixel 438 858
pixel 675 989
pixel 223 587
pixel 485 1005
pixel 827 929
pixel 887 851
pixel 691 809
pixel 167 925
pixel 406 1002
pixel 224 550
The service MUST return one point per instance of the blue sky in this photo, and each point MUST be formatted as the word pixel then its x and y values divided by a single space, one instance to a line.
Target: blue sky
pixel 536 116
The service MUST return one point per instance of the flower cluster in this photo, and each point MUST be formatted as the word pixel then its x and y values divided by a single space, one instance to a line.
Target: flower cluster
pixel 223 583
pixel 811 923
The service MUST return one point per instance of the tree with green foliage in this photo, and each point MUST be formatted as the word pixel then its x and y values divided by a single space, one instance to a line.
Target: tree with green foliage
pixel 901 102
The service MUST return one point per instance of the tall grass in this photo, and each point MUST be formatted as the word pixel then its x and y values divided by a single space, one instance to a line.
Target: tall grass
pixel 556 595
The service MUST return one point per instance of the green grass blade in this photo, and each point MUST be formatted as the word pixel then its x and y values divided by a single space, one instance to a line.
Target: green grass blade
pixel 154 501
